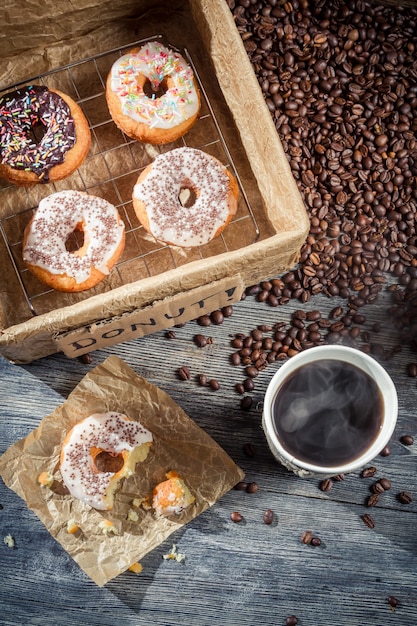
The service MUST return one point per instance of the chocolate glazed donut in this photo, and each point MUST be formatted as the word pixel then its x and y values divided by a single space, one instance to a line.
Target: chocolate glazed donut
pixel 44 135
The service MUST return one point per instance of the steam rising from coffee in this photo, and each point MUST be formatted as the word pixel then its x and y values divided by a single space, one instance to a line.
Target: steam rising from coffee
pixel 328 412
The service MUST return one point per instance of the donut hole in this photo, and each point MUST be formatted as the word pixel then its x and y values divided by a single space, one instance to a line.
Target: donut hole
pixel 109 462
pixel 187 196
pixel 36 132
pixel 154 92
pixel 75 241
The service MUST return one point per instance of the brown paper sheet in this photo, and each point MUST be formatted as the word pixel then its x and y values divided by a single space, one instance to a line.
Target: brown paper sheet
pixel 178 444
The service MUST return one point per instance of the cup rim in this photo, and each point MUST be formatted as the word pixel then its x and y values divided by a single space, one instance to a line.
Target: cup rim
pixel 351 355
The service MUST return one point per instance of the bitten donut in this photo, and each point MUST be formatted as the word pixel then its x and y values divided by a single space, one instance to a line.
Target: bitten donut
pixel 111 435
pixel 171 496
pixel 59 216
pixel 152 95
pixel 44 135
pixel 213 192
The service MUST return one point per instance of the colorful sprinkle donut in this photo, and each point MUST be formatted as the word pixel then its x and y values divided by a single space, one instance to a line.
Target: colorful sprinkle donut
pixel 163 112
pixel 44 135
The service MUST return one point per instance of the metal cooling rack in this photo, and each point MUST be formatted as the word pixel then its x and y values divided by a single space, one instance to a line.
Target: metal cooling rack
pixel 110 171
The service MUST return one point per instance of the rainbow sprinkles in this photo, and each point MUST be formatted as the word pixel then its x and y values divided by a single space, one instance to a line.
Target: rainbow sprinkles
pixel 163 68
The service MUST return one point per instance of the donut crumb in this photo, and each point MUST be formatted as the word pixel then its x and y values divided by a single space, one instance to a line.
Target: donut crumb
pixel 45 479
pixel 174 555
pixel 132 515
pixel 136 568
pixel 72 527
pixel 107 527
pixel 9 541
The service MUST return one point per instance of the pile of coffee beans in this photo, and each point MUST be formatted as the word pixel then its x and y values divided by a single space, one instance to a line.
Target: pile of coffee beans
pixel 340 81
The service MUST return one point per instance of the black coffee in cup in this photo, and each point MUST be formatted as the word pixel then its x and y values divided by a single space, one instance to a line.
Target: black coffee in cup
pixel 328 412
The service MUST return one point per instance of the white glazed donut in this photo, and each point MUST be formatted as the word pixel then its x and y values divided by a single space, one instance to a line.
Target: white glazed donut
pixel 57 217
pixel 173 103
pixel 157 193
pixel 112 433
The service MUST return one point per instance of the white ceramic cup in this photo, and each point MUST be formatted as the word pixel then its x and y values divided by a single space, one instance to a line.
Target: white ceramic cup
pixel 346 354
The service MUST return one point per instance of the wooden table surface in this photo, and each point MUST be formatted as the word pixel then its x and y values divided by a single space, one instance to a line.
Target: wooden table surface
pixel 234 574
pixel 248 573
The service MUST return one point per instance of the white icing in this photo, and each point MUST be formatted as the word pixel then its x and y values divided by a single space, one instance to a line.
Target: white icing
pixel 112 432
pixel 156 63
pixel 56 219
pixel 160 191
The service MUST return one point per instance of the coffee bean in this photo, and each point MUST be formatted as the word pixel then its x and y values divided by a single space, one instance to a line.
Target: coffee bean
pixel 202 380
pixel 372 500
pixel 200 341
pixel 249 449
pixel 326 484
pixel 315 541
pixel 248 384
pixel 368 520
pixel 404 497
pixel 291 620
pixel 251 371
pixel 268 517
pixel 246 403
pixel 217 317
pixel 184 373
pixel 236 517
pixel 204 320
pixel 241 486
pixel 252 488
pixel 377 487
pixel 214 384
pixel 412 370
pixel 385 483
pixel 306 537
pixel 392 601
pixel 407 440
pixel 240 388
pixel 386 451
pixel 85 359
pixel 170 334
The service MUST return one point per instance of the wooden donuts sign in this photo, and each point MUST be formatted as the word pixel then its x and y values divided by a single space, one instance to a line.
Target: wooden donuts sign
pixel 162 314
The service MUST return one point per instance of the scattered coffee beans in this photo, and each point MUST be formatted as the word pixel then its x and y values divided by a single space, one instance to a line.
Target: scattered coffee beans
pixel 184 373
pixel 291 620
pixel 372 500
pixel 252 488
pixel 202 380
pixel 404 497
pixel 236 517
pixel 368 472
pixel 326 484
pixel 407 440
pixel 392 601
pixel 306 537
pixel 200 340
pixel 249 449
pixel 368 520
pixel 268 517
